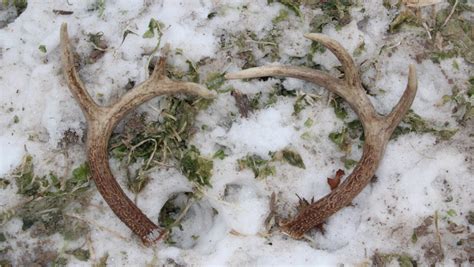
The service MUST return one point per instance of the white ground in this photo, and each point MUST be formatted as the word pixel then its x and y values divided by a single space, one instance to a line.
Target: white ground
pixel 415 177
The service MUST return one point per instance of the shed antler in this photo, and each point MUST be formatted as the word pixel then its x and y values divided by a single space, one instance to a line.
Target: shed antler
pixel 101 122
pixel 377 128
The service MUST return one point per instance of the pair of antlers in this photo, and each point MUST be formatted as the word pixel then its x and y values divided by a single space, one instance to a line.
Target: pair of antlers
pixel 102 120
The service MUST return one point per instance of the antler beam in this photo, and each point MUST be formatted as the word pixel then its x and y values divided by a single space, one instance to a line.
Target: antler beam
pixel 101 121
pixel 377 128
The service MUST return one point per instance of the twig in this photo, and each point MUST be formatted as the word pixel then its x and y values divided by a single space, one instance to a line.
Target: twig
pixel 450 14
pixel 425 26
pixel 438 235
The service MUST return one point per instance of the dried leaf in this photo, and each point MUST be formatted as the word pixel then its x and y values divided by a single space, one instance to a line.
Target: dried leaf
pixel 62 12
pixel 260 167
pixel 334 182
pixel 243 103
pixel 80 254
pixel 290 156
pixel 125 34
pixel 405 17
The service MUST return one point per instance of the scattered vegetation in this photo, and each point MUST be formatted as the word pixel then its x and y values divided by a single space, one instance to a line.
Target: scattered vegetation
pixel 20 5
pixel 462 102
pixel 352 132
pixel 220 154
pixel 42 49
pixel 80 254
pixel 342 140
pixel 173 213
pixel 404 260
pixel 262 168
pixel 302 101
pixel 197 168
pixel 282 16
pixel 99 47
pixel 289 156
pixel 154 28
pixel 163 142
pixel 100 6
pixel 292 5
pixel 449 33
pixel 339 107
pixel 215 80
pixel 414 123
pixel 49 199
pixel 453 33
pixel 405 17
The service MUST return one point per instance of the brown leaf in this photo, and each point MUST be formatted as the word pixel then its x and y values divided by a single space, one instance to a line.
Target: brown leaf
pixel 424 228
pixel 334 182
pixel 454 228
pixel 236 233
pixel 243 103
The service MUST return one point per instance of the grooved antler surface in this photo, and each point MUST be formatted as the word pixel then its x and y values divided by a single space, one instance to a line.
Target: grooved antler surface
pixel 101 122
pixel 377 128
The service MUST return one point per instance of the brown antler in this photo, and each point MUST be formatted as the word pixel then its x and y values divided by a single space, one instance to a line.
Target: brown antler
pixel 377 128
pixel 102 120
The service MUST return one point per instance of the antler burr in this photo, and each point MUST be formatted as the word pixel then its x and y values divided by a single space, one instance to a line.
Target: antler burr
pixel 101 121
pixel 377 128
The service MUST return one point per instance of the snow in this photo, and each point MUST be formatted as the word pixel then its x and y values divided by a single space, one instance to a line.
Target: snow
pixel 266 132
pixel 226 226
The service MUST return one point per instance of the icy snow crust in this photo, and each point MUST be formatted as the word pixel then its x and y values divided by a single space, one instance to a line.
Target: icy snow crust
pixel 411 178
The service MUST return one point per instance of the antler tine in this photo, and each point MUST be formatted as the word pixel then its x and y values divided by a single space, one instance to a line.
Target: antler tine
pixel 158 84
pixel 77 88
pixel 405 102
pixel 377 130
pixel 351 73
pixel 101 122
pixel 315 76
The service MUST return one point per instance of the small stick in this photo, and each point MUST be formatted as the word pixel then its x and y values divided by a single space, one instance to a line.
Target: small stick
pixel 450 14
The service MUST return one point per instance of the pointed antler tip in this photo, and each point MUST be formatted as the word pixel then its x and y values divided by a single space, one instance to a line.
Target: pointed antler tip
pixel 199 90
pixel 411 69
pixel 312 35
pixel 412 77
pixel 63 27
